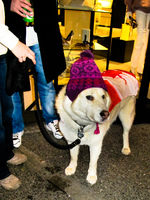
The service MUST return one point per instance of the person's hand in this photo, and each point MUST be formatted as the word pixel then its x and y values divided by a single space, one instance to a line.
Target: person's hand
pixel 18 6
pixel 21 51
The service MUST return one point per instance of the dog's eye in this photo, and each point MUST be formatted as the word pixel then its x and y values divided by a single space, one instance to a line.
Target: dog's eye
pixel 103 96
pixel 90 97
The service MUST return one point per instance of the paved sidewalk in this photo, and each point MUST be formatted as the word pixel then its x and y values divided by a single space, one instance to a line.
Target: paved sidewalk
pixel 120 177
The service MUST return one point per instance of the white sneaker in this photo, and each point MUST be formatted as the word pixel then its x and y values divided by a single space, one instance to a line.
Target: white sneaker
pixel 17 139
pixel 53 126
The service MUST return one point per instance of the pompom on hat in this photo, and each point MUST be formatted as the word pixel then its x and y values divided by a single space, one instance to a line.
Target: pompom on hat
pixel 84 74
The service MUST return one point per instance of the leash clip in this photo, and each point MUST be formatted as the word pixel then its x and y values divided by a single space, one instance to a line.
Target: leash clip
pixel 80 132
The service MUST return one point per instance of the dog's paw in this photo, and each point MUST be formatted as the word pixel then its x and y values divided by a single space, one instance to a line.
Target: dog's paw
pixel 126 151
pixel 69 171
pixel 91 179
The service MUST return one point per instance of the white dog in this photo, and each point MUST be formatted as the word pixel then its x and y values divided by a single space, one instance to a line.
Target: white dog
pixel 90 110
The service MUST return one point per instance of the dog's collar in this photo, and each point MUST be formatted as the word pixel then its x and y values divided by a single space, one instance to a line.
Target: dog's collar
pixel 80 130
pixel 81 134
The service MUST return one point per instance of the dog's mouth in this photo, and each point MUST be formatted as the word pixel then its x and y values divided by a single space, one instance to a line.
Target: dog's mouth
pixel 104 120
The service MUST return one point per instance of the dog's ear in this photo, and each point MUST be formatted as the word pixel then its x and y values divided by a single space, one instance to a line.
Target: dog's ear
pixel 108 100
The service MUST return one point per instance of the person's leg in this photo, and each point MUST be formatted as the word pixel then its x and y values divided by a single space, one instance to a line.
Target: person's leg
pixel 6 109
pixel 142 57
pixel 17 120
pixel 4 171
pixel 7 180
pixel 47 94
pixel 139 43
pixel 46 90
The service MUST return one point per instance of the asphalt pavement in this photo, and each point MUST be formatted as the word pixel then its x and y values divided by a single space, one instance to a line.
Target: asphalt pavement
pixel 120 177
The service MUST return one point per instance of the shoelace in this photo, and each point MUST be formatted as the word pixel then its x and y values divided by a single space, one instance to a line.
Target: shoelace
pixel 16 138
pixel 56 127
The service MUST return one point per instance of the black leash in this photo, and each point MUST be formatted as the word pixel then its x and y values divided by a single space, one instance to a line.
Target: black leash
pixel 39 118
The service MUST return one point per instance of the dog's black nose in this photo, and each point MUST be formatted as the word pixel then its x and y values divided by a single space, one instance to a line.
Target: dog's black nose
pixel 104 114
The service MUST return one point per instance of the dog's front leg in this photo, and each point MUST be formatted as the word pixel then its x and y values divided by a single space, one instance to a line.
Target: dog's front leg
pixel 92 171
pixel 73 162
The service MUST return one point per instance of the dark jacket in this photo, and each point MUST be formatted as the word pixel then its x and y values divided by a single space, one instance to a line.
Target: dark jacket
pixel 46 26
pixel 133 5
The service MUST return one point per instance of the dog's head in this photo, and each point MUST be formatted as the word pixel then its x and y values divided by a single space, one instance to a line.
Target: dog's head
pixel 87 90
pixel 91 105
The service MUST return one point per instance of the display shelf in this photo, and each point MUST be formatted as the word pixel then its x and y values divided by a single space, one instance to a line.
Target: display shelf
pixel 97 46
pixel 83 8
pixel 62 80
pixel 92 45
pixel 78 45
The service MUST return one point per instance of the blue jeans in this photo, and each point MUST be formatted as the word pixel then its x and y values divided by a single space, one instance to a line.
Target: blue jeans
pixel 6 109
pixel 46 92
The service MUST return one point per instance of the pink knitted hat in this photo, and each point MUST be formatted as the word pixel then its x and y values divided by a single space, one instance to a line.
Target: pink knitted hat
pixel 84 74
